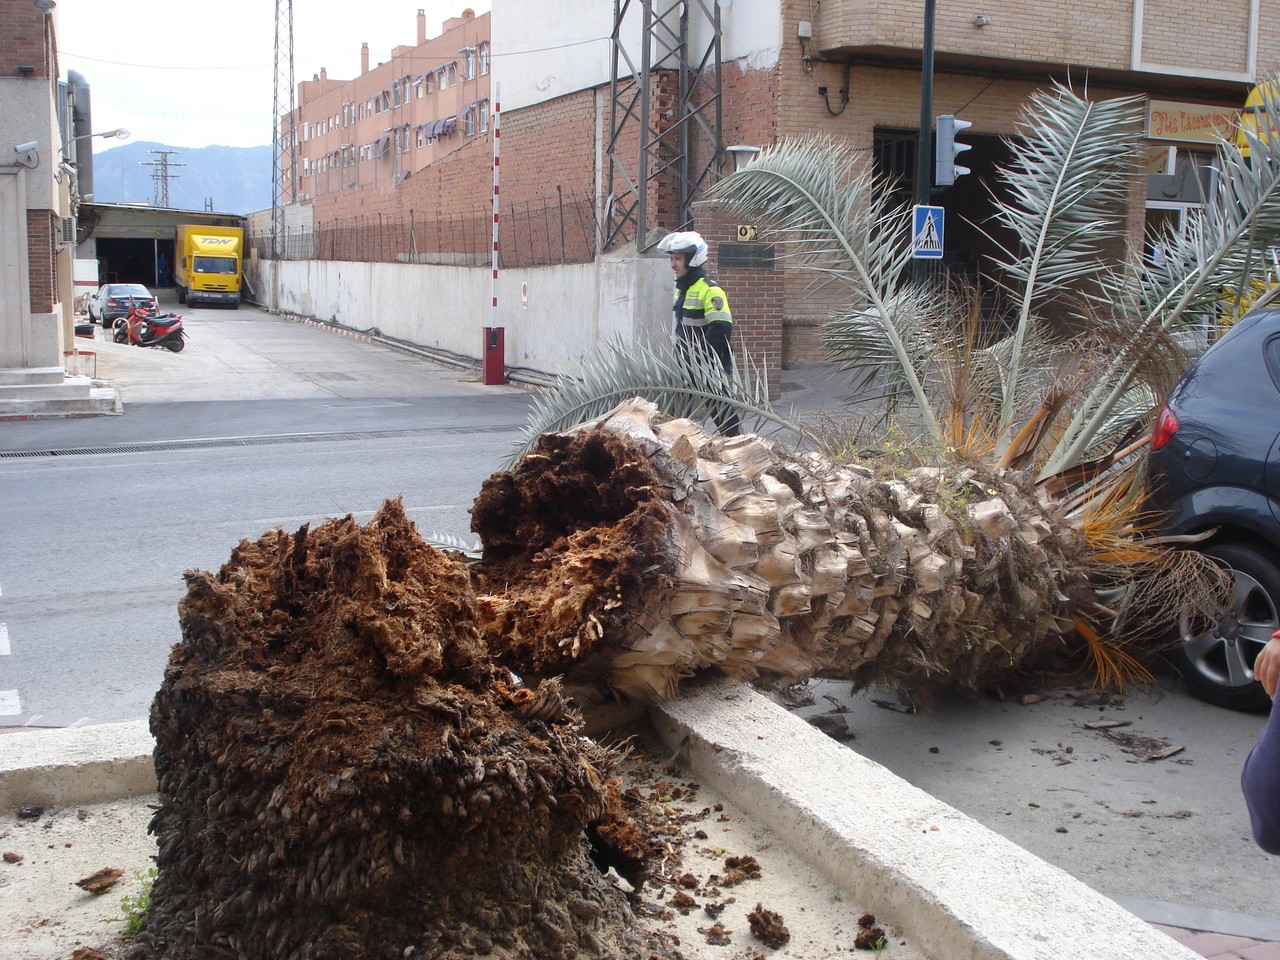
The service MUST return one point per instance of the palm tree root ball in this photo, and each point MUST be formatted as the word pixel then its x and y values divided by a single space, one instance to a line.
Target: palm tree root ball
pixel 344 773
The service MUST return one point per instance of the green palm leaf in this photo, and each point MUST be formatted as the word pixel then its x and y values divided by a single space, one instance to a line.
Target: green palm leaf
pixel 1063 196
pixel 1219 255
pixel 680 383
pixel 829 213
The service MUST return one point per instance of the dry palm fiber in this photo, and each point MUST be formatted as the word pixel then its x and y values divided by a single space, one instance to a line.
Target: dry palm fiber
pixel 627 553
pixel 345 774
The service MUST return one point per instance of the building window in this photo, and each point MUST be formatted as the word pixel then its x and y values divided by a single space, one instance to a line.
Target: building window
pixel 395 94
pixel 440 77
pixel 453 73
pixel 469 122
pixel 484 116
pixel 429 82
pixel 484 59
pixel 469 64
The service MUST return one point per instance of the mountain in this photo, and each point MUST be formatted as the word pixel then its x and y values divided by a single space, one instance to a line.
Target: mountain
pixel 233 179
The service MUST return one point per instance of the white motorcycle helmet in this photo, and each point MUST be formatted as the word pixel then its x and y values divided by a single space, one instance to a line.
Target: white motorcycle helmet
pixel 686 242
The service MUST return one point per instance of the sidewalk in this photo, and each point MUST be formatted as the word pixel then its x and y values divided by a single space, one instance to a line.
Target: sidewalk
pixel 953 888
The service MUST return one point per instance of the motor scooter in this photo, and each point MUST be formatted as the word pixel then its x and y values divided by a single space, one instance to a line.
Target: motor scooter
pixel 146 328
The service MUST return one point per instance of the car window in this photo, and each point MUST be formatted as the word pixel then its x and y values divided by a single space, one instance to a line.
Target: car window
pixel 1271 356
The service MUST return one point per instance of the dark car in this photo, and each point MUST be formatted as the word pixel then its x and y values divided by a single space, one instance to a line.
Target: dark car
pixel 1214 468
pixel 114 300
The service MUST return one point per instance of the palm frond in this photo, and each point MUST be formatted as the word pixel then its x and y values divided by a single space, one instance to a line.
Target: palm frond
pixel 830 213
pixel 1216 258
pixel 688 383
pixel 1063 196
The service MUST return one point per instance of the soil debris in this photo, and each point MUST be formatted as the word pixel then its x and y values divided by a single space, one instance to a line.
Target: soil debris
pixel 768 927
pixel 100 881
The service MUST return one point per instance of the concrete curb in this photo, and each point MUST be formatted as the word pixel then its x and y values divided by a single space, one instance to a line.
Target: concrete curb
pixel 72 766
pixel 958 890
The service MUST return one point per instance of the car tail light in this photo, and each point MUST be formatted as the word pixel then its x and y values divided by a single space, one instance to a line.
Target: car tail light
pixel 1166 427
pixel 112 303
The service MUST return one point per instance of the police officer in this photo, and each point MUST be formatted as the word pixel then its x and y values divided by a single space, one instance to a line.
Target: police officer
pixel 701 311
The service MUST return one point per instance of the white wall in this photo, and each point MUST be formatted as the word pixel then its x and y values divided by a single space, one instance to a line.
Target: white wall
pixel 545 49
pixel 571 310
pixel 28 114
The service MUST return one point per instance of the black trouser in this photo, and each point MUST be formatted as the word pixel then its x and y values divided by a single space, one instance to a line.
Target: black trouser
pixel 715 336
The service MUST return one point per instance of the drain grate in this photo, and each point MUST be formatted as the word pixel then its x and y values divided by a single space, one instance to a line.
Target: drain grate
pixel 214 443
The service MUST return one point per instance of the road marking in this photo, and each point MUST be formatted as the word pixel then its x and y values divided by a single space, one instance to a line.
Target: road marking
pixel 4 639
pixel 10 705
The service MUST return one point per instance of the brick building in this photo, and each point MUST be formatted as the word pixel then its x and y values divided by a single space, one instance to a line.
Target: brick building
pixel 404 139
pixel 845 68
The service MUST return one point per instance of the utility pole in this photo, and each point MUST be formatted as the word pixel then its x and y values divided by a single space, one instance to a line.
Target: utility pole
pixel 161 175
pixel 284 166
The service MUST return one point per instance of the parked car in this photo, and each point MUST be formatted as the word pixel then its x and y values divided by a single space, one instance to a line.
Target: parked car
pixel 1214 468
pixel 113 301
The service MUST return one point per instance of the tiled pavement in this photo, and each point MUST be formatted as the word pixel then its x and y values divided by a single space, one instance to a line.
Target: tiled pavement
pixel 1221 946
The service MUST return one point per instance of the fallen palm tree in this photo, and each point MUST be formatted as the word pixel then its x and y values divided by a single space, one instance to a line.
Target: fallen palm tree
pixel 630 552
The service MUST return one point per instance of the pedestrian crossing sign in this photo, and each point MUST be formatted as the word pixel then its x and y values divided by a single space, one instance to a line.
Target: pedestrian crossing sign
pixel 926 232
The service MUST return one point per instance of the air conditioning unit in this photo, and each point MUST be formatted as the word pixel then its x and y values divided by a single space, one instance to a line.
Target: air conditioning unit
pixel 68 233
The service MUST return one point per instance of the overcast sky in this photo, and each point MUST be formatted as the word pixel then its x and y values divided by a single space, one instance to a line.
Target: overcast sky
pixel 179 75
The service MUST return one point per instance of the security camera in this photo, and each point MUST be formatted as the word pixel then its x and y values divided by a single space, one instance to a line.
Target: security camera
pixel 26 147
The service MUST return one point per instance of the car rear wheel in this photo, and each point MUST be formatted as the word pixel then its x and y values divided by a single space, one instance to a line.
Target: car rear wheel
pixel 1216 653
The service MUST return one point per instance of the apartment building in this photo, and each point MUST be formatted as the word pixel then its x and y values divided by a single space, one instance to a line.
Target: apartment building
pixel 359 142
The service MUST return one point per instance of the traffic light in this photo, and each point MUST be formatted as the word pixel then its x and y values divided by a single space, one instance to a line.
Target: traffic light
pixel 946 149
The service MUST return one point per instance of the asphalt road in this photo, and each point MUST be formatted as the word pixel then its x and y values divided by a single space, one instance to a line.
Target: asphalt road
pixel 264 422
pixel 259 423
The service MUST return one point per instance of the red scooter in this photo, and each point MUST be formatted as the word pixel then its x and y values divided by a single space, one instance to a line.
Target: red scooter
pixel 146 328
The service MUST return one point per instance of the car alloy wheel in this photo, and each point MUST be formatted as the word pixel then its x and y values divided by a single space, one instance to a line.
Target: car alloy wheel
pixel 1216 653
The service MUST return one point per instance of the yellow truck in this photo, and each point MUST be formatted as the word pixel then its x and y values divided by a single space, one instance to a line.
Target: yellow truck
pixel 208 264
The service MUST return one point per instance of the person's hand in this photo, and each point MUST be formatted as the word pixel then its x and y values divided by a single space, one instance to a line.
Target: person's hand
pixel 1267 667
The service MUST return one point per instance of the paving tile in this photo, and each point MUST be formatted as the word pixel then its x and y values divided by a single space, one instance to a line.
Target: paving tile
pixel 1180 934
pixel 1260 951
pixel 1216 944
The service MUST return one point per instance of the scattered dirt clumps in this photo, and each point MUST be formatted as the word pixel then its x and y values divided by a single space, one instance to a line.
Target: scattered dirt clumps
pixel 344 772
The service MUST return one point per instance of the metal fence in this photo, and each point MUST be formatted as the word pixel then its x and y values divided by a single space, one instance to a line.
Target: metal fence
pixel 564 229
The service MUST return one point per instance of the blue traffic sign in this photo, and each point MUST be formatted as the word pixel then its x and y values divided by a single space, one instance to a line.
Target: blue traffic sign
pixel 926 232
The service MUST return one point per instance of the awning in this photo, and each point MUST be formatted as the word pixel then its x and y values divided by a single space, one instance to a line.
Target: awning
pixel 438 128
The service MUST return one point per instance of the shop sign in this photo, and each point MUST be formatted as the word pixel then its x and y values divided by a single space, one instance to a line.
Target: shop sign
pixel 1189 122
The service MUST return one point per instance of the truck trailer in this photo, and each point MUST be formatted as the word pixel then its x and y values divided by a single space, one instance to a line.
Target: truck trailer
pixel 208 264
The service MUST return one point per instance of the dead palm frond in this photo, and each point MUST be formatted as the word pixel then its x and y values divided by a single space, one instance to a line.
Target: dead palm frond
pixel 1112 665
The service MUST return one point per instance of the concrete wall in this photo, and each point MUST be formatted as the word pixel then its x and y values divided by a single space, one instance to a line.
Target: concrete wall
pixel 569 310
pixel 524 31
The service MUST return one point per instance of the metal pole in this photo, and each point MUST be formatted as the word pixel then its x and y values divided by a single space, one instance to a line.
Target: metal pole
pixel 924 142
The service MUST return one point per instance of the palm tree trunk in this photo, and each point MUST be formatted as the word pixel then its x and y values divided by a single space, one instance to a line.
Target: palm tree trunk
pixel 627 553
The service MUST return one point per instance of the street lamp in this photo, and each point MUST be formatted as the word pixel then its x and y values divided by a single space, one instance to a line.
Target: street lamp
pixel 120 133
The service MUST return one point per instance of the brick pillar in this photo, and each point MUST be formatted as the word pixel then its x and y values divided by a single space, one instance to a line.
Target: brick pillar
pixel 42 265
pixel 749 273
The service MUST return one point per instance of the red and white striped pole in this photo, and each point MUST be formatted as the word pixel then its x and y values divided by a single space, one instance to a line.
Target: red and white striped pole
pixel 495 347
